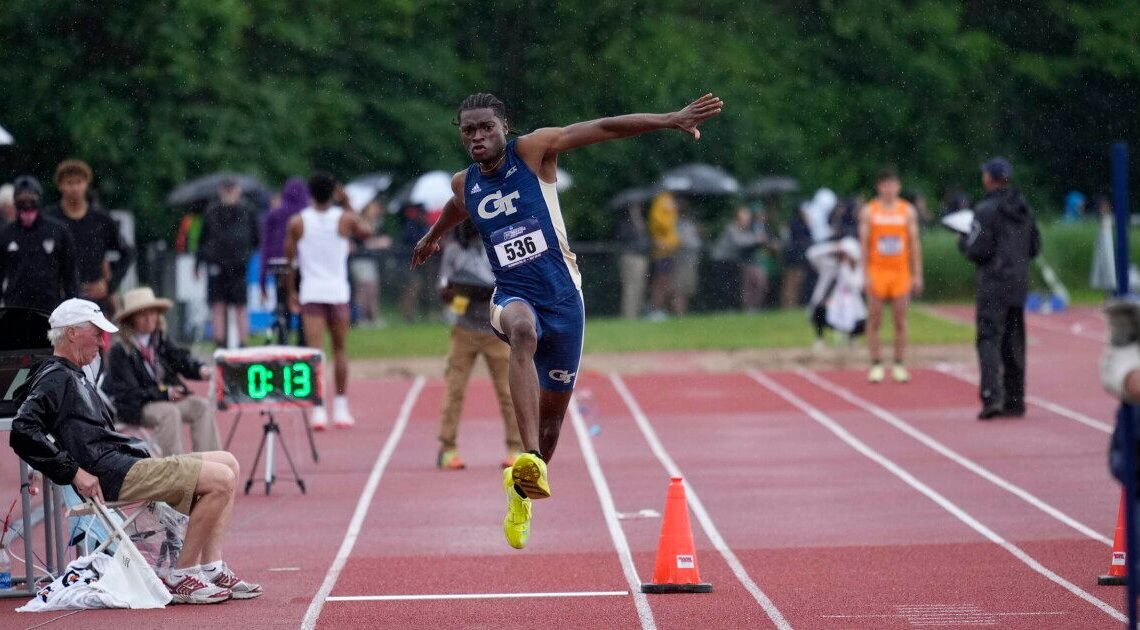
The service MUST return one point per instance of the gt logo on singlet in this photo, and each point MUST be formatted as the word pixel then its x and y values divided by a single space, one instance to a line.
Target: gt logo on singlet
pixel 562 376
pixel 503 205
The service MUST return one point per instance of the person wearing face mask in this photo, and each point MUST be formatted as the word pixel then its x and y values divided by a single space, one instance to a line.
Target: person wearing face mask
pixel 37 254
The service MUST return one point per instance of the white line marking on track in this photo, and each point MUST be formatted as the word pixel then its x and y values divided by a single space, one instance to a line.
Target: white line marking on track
pixel 822 419
pixel 1073 330
pixel 1064 412
pixel 606 498
pixel 416 598
pixel 948 453
pixel 696 505
pixel 318 601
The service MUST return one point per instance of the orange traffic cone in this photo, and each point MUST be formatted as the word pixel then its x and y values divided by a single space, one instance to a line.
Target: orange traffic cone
pixel 1117 571
pixel 676 568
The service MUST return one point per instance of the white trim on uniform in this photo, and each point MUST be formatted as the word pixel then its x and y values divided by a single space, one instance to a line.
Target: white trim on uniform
pixel 550 196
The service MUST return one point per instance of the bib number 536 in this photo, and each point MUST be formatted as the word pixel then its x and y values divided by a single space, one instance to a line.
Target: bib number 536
pixel 521 248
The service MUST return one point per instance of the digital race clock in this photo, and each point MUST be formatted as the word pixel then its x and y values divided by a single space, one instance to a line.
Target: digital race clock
pixel 268 375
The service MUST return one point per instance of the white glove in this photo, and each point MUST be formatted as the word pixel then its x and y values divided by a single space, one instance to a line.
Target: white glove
pixel 1116 364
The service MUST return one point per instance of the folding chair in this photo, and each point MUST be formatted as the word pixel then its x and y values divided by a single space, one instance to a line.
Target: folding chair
pixel 88 533
pixel 134 581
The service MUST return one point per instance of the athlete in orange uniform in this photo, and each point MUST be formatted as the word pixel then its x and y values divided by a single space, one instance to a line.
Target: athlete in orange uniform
pixel 888 229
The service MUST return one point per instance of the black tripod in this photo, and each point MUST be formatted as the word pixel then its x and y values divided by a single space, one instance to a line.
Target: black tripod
pixel 270 431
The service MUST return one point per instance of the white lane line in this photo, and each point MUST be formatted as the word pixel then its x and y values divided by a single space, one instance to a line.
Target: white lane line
pixel 696 505
pixel 606 498
pixel 1064 412
pixel 318 601
pixel 947 452
pixel 416 598
pixel 946 504
pixel 1075 330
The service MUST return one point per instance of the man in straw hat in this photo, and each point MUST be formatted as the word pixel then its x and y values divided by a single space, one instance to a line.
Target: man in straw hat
pixel 144 377
pixel 63 429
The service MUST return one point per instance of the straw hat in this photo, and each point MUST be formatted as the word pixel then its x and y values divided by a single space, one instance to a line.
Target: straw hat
pixel 141 299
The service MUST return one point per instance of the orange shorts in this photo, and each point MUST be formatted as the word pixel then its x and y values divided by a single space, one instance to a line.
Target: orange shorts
pixel 888 284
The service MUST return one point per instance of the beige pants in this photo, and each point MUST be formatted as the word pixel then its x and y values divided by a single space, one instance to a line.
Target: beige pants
pixel 466 346
pixel 634 278
pixel 172 479
pixel 166 419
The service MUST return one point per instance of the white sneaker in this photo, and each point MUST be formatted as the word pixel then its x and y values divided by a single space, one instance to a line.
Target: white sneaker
pixel 342 417
pixel 239 588
pixel 319 418
pixel 192 588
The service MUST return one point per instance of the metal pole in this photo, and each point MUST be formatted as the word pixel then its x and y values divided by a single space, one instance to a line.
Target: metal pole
pixel 26 506
pixel 1126 415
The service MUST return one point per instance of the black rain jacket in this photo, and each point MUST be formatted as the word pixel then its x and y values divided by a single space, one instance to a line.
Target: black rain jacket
pixel 63 425
pixel 130 384
pixel 1002 242
pixel 37 264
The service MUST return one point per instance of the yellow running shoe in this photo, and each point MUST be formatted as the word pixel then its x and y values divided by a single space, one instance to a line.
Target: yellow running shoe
pixel 876 374
pixel 529 472
pixel 516 524
pixel 899 373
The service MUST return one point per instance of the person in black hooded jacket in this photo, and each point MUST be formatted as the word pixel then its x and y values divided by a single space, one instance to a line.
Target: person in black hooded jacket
pixel 37 254
pixel 1002 241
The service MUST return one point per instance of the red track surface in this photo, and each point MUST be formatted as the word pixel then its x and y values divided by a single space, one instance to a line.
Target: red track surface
pixel 832 537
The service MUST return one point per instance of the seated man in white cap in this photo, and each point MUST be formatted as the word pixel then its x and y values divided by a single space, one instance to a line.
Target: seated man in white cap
pixel 63 429
pixel 144 377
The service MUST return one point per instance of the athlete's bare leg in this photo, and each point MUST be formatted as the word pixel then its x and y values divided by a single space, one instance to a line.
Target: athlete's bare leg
pixel 314 327
pixel 240 312
pixel 898 313
pixel 338 330
pixel 874 322
pixel 218 319
pixel 517 322
pixel 551 411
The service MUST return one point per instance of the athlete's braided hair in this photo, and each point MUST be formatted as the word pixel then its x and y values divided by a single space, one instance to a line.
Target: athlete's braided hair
pixel 483 100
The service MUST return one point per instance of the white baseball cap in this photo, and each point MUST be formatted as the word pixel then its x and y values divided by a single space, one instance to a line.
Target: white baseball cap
pixel 76 311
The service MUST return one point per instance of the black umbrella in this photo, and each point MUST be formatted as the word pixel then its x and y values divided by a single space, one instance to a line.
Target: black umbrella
pixel 206 188
pixel 629 196
pixel 772 185
pixel 699 179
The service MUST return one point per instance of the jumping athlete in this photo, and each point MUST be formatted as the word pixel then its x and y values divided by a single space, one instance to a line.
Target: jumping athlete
pixel 509 194
pixel 888 229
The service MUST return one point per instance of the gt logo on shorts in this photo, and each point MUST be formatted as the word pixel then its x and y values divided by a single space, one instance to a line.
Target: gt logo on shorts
pixel 503 205
pixel 562 376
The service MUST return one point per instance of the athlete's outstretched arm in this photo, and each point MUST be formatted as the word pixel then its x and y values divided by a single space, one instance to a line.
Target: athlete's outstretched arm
pixel 557 139
pixel 454 212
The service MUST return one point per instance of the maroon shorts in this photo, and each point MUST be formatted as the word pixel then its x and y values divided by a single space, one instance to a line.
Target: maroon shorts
pixel 330 312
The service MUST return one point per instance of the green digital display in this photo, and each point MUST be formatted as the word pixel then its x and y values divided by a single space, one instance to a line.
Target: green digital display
pixel 268 381
pixel 294 380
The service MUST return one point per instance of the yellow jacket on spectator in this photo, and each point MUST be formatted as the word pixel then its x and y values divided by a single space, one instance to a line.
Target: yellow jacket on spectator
pixel 663 225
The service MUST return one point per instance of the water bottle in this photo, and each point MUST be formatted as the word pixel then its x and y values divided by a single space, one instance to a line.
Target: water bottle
pixel 5 569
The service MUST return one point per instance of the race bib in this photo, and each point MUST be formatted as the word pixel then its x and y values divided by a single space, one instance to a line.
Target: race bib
pixel 889 245
pixel 519 244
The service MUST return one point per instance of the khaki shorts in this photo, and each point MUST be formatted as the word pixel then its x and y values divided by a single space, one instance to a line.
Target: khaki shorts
pixel 169 479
